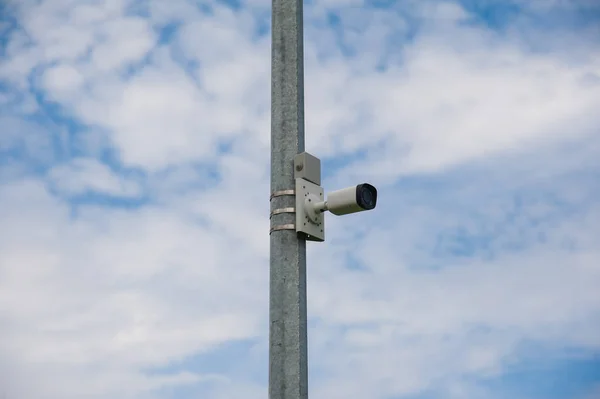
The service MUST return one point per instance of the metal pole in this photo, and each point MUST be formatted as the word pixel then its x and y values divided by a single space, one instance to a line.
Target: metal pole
pixel 288 363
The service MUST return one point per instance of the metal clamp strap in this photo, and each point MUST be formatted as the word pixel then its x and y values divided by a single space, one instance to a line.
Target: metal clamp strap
pixel 283 227
pixel 282 210
pixel 281 193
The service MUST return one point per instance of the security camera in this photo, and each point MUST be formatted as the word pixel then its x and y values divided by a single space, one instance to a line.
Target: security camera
pixel 311 201
pixel 362 197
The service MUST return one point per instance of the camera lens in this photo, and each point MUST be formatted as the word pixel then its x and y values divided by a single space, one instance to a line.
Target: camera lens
pixel 366 196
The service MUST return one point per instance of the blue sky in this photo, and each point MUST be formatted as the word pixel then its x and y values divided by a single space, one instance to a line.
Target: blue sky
pixel 134 180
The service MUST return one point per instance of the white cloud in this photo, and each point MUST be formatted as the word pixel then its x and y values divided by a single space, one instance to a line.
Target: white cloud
pixel 162 116
pixel 63 79
pixel 124 40
pixel 460 94
pixel 108 292
pixel 82 175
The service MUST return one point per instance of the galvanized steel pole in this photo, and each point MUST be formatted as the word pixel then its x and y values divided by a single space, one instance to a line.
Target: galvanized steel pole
pixel 288 363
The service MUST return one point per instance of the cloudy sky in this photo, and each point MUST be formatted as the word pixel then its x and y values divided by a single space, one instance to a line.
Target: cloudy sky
pixel 134 199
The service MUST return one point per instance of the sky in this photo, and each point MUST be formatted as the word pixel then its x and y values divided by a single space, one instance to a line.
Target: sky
pixel 134 199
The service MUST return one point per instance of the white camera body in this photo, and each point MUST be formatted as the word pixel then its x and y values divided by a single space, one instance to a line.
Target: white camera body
pixel 362 197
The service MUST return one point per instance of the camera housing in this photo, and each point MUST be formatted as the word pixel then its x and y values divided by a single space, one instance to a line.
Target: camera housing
pixel 362 197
